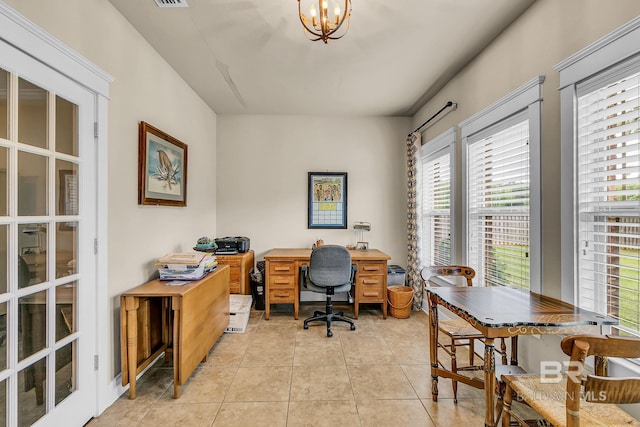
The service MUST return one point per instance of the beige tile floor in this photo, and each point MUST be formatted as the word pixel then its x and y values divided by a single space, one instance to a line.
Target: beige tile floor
pixel 278 374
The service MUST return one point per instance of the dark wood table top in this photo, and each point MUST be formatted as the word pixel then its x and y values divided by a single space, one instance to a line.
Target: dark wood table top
pixel 494 307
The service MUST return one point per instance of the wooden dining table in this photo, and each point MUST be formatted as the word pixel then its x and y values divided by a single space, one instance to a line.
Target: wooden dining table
pixel 500 311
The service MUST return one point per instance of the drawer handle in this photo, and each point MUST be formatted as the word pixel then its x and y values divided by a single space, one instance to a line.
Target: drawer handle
pixel 370 282
pixel 281 268
pixel 281 282
pixel 281 294
pixel 365 268
pixel 370 294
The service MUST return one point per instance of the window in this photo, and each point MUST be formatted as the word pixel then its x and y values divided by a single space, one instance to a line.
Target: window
pixel 502 190
pixel 498 205
pixel 437 200
pixel 601 155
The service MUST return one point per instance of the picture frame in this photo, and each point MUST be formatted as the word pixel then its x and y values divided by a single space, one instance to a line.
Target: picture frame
pixel 327 200
pixel 68 196
pixel 362 246
pixel 162 168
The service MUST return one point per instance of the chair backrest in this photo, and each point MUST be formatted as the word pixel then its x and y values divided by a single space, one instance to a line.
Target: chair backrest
pixel 448 270
pixel 330 265
pixel 24 275
pixel 598 388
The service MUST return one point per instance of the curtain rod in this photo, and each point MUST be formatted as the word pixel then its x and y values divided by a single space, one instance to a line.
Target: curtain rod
pixel 447 105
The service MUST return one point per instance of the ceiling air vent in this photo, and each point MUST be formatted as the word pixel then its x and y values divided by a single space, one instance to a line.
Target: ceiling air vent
pixel 172 3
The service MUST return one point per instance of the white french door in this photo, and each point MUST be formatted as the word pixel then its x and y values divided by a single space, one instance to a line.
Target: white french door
pixel 47 231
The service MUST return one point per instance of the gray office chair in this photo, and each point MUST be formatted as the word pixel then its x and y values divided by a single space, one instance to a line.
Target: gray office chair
pixel 330 270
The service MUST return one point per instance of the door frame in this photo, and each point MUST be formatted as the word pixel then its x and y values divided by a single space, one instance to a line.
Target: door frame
pixel 18 31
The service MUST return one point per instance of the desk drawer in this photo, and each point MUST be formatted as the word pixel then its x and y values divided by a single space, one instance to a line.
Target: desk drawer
pixel 371 288
pixel 281 282
pixel 281 296
pixel 366 268
pixel 282 267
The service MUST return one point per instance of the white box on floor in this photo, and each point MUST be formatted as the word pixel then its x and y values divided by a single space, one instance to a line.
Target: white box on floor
pixel 239 311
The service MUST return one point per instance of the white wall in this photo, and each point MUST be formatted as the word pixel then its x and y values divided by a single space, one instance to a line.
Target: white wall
pixel 263 163
pixel 548 32
pixel 147 89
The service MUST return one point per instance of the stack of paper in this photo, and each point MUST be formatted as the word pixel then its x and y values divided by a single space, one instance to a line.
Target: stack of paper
pixel 186 266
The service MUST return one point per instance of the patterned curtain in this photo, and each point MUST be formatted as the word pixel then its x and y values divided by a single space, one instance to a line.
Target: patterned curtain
pixel 413 224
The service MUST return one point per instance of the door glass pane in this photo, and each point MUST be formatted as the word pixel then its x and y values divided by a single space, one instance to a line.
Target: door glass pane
pixel 4 103
pixel 65 378
pixel 32 323
pixel 4 190
pixel 32 263
pixel 66 188
pixel 32 184
pixel 3 336
pixel 65 310
pixel 66 123
pixel 66 248
pixel 32 114
pixel 31 395
pixel 4 254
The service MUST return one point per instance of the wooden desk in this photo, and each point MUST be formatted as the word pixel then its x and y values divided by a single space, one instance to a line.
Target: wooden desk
pixel 282 278
pixel 241 265
pixel 183 321
pixel 499 311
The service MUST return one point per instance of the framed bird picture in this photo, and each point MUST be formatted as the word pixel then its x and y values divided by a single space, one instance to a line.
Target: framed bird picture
pixel 162 168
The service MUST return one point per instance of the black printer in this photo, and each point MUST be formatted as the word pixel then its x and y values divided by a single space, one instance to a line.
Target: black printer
pixel 232 245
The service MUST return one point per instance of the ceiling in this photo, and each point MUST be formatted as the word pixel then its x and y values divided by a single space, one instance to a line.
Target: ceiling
pixel 252 57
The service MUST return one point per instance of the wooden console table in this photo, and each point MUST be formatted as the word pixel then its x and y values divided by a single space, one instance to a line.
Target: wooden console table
pixel 183 321
pixel 282 287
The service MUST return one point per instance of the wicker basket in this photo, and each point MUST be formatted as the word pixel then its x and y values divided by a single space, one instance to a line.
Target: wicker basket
pixel 400 299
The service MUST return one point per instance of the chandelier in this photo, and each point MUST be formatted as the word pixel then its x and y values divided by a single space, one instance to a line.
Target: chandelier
pixel 319 25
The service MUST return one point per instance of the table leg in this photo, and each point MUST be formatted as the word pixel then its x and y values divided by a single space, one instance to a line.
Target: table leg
pixel 177 318
pixel 131 306
pixel 514 350
pixel 267 304
pixel 489 381
pixel 433 347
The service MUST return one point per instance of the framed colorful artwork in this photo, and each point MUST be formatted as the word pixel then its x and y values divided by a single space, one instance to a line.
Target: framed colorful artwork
pixel 162 168
pixel 327 201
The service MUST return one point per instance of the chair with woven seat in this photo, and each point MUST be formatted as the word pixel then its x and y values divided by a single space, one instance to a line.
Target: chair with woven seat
pixel 330 271
pixel 577 399
pixel 459 331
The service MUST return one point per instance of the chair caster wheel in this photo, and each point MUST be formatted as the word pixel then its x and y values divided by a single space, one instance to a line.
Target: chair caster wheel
pixel 329 334
pixel 306 326
pixel 353 327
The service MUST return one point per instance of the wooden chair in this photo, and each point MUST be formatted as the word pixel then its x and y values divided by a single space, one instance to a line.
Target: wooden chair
pixel 459 331
pixel 577 399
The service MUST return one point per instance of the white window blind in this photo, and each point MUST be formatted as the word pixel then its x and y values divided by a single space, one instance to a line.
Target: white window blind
pixel 608 184
pixel 498 204
pixel 436 208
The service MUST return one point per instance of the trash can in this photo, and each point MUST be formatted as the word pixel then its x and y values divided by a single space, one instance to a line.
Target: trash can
pixel 400 299
pixel 257 284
